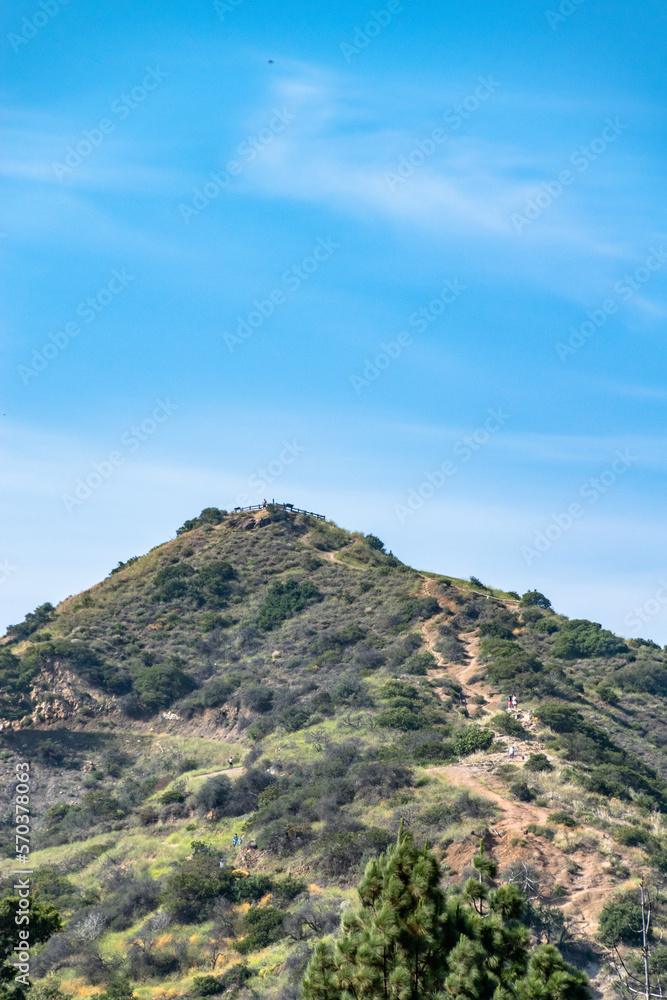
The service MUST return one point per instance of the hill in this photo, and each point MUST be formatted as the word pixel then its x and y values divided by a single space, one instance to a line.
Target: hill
pixel 353 694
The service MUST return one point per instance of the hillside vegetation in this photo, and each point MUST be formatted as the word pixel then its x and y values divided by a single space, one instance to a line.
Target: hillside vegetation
pixel 357 698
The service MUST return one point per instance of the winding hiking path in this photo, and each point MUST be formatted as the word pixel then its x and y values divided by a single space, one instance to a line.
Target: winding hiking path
pixel 587 888
pixel 232 772
pixel 462 673
pixel 586 885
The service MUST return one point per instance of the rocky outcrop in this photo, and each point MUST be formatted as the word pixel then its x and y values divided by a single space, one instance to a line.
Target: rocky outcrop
pixel 58 694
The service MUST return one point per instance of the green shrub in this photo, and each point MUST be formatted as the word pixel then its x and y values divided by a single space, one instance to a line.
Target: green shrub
pixel 407 718
pixel 620 922
pixel 472 740
pixel 495 629
pixel 210 515
pixel 211 620
pixel 328 537
pixel 212 583
pixel 411 609
pixel 16 676
pixel 532 615
pixel 51 887
pixel 194 885
pixel 521 791
pixel 561 718
pixel 295 717
pixel 434 751
pixel 633 836
pixel 581 639
pixel 398 689
pixel 218 689
pixel 207 986
pixel 344 851
pixel 123 565
pixel 419 664
pixel 508 661
pixel 463 806
pixel 533 598
pixel 161 684
pixel 642 677
pixel 172 795
pixel 284 600
pixel 607 693
pixel 32 622
pixel 263 926
pixel 257 697
pixel 505 723
pixel 538 762
pixel 172 581
pixel 541 831
pixel 288 888
pixel 336 640
pixel 562 818
pixel 214 793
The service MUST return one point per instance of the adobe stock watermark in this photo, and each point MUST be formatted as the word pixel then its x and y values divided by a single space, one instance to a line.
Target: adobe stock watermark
pixel 6 571
pixel 566 8
pixel 408 163
pixel 22 825
pixel 225 7
pixel 121 107
pixel 420 320
pixel 591 491
pixel 292 279
pixel 377 21
pixel 649 609
pixel 581 160
pixel 625 288
pixel 88 310
pixel 261 478
pixel 464 449
pixel 130 441
pixel 32 25
pixel 246 152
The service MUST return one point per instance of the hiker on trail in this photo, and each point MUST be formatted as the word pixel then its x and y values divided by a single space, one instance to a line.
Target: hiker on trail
pixel 235 841
pixel 263 503
pixel 509 702
pixel 512 751
pixel 515 702
pixel 231 762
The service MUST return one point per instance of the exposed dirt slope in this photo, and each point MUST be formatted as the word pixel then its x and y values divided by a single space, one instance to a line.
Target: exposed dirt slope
pixel 573 876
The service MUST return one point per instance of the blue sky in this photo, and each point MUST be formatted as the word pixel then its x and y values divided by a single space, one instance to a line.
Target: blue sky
pixel 403 264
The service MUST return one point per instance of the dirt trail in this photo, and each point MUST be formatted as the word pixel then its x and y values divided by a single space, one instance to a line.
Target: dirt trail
pixel 516 815
pixel 587 888
pixel 233 772
pixel 459 672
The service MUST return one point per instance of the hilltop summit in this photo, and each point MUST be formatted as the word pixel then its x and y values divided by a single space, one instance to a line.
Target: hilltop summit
pixel 351 694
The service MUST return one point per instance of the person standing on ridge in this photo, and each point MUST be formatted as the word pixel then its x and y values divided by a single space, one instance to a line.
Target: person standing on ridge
pixel 231 762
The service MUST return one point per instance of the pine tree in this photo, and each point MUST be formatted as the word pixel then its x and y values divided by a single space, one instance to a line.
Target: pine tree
pixel 409 940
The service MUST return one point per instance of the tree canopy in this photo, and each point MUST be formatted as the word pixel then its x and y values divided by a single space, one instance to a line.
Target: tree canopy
pixel 411 940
